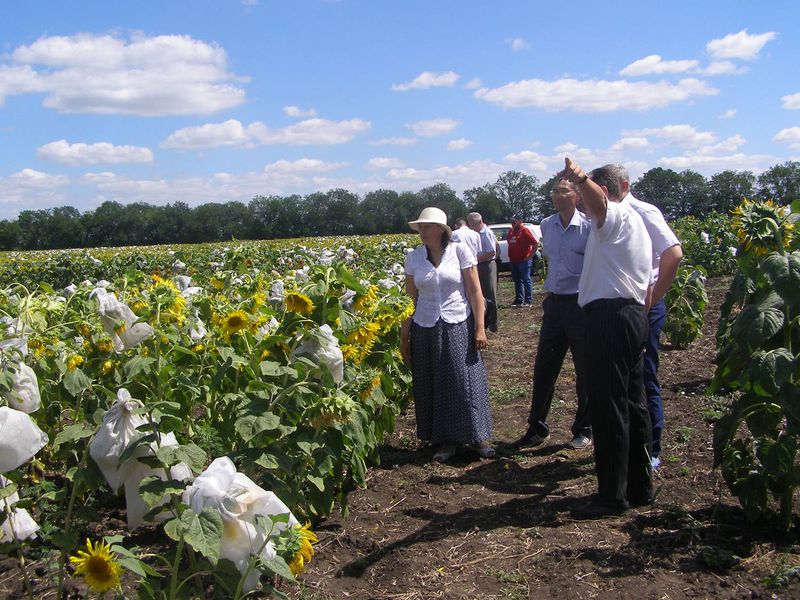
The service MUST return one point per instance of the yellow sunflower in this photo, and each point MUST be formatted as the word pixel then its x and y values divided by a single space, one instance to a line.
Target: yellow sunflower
pixel 295 547
pixel 98 566
pixel 365 302
pixel 298 302
pixel 235 321
pixel 762 226
pixel 74 361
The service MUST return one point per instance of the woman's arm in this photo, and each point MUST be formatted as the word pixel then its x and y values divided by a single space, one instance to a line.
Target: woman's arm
pixel 472 285
pixel 405 328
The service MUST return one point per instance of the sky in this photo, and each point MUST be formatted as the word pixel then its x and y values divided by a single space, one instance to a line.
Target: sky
pixel 219 100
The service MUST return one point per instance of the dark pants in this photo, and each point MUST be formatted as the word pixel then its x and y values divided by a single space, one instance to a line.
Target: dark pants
pixel 616 333
pixel 487 274
pixel 521 274
pixel 563 326
pixel 655 405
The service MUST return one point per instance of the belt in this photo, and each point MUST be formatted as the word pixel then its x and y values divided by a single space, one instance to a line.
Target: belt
pixel 610 303
pixel 564 296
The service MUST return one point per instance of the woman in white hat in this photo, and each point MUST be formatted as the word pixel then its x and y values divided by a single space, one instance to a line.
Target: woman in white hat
pixel 443 338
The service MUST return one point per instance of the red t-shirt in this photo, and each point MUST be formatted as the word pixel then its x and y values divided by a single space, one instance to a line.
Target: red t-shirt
pixel 521 243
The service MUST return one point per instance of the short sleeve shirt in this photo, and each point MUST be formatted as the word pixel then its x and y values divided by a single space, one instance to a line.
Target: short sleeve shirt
pixel 471 239
pixel 618 261
pixel 441 289
pixel 488 240
pixel 564 249
pixel 661 235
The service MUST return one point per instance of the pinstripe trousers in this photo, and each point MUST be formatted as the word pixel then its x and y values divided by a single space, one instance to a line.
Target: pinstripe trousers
pixel 616 333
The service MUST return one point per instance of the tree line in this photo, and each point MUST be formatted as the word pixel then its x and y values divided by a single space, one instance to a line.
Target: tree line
pixel 341 212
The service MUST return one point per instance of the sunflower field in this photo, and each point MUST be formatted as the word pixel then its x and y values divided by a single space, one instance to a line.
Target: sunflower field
pixel 228 395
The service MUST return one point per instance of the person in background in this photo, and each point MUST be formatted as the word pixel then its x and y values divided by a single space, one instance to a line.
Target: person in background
pixel 487 267
pixel 521 246
pixel 443 339
pixel 564 237
pixel 463 234
pixel 612 292
pixel 667 255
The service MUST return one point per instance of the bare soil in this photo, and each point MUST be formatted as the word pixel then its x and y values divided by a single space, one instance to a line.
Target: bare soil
pixel 477 528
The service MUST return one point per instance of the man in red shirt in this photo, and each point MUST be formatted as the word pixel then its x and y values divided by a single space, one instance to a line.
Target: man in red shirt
pixel 521 246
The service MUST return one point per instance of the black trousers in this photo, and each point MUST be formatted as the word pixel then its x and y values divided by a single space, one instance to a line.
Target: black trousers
pixel 563 327
pixel 616 333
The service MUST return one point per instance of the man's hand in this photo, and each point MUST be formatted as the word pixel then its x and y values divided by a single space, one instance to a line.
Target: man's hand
pixel 572 171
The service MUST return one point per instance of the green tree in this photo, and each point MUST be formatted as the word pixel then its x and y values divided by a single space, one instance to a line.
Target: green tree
pixel 728 188
pixel 781 183
pixel 443 196
pixel 519 193
pixel 676 194
pixel 484 200
pixel 380 212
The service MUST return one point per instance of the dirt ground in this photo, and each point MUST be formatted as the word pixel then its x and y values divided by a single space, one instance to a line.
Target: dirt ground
pixel 501 528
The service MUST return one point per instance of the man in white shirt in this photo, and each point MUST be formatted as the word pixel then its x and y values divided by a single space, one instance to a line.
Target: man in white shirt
pixel 487 267
pixel 667 255
pixel 612 291
pixel 463 234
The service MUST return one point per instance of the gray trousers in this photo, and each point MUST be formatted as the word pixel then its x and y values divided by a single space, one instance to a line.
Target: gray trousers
pixel 487 274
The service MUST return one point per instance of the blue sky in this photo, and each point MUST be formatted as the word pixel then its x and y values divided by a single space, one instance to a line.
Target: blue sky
pixel 217 100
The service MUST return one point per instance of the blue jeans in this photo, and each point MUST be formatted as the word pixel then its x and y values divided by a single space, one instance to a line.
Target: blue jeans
pixel 521 274
pixel 655 405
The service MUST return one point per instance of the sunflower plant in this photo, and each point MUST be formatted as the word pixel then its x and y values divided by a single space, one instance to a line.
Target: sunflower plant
pixel 758 345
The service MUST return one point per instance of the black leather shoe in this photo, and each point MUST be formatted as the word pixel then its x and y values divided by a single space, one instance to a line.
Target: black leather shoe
pixel 595 509
pixel 637 502
pixel 530 440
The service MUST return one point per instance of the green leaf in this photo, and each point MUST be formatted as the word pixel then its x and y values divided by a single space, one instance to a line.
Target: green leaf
pixel 789 397
pixel 153 489
pixel 318 482
pixel 764 419
pixel 724 430
pixel 202 532
pixel 7 490
pixel 251 425
pixel 778 457
pixel 191 454
pixel 279 567
pixel 271 368
pixel 783 272
pixel 758 322
pixel 768 371
pixel 134 565
pixel 136 365
pixel 76 381
pixel 227 353
pixel 72 433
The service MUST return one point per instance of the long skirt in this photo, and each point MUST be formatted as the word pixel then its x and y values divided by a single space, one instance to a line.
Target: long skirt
pixel 451 391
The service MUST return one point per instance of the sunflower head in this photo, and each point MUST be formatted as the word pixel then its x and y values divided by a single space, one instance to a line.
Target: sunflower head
pixel 295 547
pixel 234 322
pixel 74 361
pixel 762 226
pixel 367 300
pixel 298 302
pixel 98 566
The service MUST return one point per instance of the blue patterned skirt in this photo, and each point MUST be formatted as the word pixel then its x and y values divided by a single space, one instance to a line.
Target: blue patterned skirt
pixel 451 391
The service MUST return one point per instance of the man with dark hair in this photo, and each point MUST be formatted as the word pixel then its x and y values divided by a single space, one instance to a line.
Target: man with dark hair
pixel 564 237
pixel 667 255
pixel 612 291
pixel 521 246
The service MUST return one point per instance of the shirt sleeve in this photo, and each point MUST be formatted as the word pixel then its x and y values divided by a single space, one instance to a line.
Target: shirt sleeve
pixel 612 223
pixel 661 235
pixel 465 257
pixel 409 267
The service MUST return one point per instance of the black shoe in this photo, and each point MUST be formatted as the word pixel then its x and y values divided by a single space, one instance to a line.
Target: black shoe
pixel 639 502
pixel 595 509
pixel 530 440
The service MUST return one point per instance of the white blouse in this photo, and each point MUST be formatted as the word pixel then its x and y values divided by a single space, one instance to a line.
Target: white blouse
pixel 441 289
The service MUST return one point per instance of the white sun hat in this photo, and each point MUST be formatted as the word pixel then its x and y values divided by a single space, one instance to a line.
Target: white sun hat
pixel 434 215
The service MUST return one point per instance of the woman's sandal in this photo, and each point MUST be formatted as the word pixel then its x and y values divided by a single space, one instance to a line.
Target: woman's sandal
pixel 444 454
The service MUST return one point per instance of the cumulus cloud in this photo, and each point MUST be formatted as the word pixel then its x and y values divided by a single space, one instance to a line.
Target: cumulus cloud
pixel 433 127
pixel 709 164
pixel 395 141
pixel 105 74
pixel 30 189
pixel 676 135
pixel 473 84
pixel 296 111
pixel 303 165
pixel 593 95
pixel 518 44
pixel 728 114
pixel 530 161
pixel 740 45
pixel 428 79
pixel 792 101
pixel 790 136
pixel 80 154
pixel 722 67
pixel 380 163
pixel 630 143
pixel 655 65
pixel 459 144
pixel 233 133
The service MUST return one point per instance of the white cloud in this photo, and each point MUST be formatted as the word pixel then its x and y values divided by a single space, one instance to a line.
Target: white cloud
pixel 676 135
pixel 726 146
pixel 654 65
pixel 593 95
pixel 722 67
pixel 233 133
pixel 37 179
pixel 630 143
pixel 296 111
pixel 380 163
pixel 79 154
pixel 792 101
pixel 530 161
pixel 473 84
pixel 29 189
pixel 303 165
pixel 144 76
pixel 711 164
pixel 790 136
pixel 728 114
pixel 433 127
pixel 395 141
pixel 518 44
pixel 459 144
pixel 740 45
pixel 426 80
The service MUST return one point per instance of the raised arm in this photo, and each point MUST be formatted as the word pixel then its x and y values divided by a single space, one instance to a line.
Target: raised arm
pixel 594 198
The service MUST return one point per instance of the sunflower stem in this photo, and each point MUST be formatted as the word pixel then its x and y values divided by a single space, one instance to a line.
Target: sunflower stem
pixel 67 525
pixel 173 583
